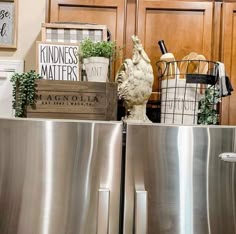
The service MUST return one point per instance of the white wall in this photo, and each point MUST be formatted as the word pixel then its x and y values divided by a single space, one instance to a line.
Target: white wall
pixel 31 14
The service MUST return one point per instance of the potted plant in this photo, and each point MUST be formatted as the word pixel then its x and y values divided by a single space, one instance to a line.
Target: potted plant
pixel 96 58
pixel 24 92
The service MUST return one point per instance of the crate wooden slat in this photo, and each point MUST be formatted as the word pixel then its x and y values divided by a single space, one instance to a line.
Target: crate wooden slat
pixel 75 100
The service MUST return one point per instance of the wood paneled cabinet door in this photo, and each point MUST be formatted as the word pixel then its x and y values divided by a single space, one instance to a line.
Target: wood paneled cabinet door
pixel 187 26
pixel 229 58
pixel 184 26
pixel 106 12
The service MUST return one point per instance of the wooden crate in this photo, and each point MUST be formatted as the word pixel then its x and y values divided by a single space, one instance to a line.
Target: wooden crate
pixel 75 100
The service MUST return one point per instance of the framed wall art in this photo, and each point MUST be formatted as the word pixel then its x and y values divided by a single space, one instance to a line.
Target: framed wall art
pixel 8 23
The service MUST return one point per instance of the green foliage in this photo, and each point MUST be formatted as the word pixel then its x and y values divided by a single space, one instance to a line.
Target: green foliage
pixel 208 107
pixel 23 91
pixel 89 48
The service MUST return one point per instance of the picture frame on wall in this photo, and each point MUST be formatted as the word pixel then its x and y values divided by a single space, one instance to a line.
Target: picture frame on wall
pixel 8 24
pixel 58 61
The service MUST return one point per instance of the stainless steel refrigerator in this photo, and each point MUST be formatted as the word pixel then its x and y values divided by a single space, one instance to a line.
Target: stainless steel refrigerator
pixel 180 180
pixel 72 177
pixel 60 177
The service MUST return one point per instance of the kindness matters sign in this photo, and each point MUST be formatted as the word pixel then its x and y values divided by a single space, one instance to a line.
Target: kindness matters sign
pixel 56 61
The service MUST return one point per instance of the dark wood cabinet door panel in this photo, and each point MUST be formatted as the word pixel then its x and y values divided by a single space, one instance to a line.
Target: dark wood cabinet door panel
pixel 184 26
pixel 108 12
pixel 229 58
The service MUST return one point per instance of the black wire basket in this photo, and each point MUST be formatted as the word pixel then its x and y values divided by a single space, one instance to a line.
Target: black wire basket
pixel 190 92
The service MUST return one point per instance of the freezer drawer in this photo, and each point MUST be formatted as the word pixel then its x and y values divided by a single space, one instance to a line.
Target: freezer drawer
pixel 59 177
pixel 175 181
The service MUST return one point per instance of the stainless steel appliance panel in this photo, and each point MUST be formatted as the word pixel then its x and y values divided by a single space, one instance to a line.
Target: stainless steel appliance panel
pixel 59 177
pixel 175 181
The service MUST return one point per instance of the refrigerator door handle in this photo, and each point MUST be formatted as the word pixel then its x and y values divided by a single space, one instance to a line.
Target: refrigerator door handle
pixel 141 212
pixel 103 211
pixel 228 157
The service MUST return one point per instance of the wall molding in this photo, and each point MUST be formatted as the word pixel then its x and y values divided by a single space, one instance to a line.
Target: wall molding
pixel 7 69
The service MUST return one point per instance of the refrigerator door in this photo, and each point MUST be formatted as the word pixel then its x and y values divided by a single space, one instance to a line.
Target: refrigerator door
pixel 180 180
pixel 60 177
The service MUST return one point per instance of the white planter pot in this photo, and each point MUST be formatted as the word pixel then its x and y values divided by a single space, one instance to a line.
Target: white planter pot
pixel 96 68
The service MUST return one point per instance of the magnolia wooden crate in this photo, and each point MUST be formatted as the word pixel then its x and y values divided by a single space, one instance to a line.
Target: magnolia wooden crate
pixel 75 100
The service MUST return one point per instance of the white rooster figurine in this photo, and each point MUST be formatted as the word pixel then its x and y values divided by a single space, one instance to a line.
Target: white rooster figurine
pixel 135 80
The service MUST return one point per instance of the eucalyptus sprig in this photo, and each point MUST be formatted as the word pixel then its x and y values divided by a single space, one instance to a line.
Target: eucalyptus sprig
pixel 208 113
pixel 23 92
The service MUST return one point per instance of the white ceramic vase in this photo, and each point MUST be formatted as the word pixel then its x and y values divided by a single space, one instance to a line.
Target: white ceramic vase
pixel 96 68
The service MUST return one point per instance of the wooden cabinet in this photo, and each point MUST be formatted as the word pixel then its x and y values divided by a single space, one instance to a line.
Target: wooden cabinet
pixel 184 26
pixel 108 12
pixel 229 57
pixel 206 27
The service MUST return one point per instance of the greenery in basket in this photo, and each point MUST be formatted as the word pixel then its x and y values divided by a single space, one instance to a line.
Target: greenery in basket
pixel 23 91
pixel 107 49
pixel 207 107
